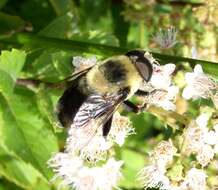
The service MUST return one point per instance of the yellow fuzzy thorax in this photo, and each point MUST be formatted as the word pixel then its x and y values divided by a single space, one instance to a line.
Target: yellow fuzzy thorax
pixel 98 83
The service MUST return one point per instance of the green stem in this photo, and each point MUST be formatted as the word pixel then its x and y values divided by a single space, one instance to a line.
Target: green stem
pixel 142 34
pixel 55 7
pixel 86 47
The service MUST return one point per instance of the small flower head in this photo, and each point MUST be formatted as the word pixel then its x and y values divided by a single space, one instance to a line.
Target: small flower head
pixel 85 179
pixel 79 137
pixel 195 179
pixel 162 92
pixel 193 139
pixel 96 149
pixel 89 142
pixel 161 77
pixel 205 155
pixel 81 63
pixel 166 38
pixel 198 84
pixel 152 177
pixel 163 153
pixel 120 129
pixel 163 98
pixel 66 166
pixel 202 120
pixel 110 174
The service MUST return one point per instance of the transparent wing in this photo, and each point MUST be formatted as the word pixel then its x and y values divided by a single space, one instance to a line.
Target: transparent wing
pixel 98 108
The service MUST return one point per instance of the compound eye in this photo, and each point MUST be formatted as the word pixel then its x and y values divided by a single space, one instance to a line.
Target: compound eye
pixel 144 68
pixel 142 64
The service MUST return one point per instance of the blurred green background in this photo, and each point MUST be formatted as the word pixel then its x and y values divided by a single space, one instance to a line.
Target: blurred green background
pixel 28 132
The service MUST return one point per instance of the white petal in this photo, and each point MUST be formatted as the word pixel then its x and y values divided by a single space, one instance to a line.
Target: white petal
pixel 189 78
pixel 198 69
pixel 187 93
pixel 202 120
pixel 172 92
pixel 210 138
pixel 169 68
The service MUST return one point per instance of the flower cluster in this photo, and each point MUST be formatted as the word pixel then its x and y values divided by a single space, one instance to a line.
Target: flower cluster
pixel 162 175
pixel 81 63
pixel 166 38
pixel 185 167
pixel 74 173
pixel 179 163
pixel 162 92
pixel 78 166
pixel 200 140
pixel 153 176
pixel 84 148
pixel 200 85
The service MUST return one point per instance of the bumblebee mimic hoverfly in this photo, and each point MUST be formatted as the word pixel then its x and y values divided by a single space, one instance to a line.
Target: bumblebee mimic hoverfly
pixel 96 93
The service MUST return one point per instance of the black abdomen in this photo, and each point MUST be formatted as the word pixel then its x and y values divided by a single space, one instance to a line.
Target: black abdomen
pixel 68 105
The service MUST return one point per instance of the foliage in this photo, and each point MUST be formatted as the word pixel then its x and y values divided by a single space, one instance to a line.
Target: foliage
pixel 39 38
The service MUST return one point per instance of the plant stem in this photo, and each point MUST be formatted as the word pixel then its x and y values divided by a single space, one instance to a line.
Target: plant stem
pixel 142 33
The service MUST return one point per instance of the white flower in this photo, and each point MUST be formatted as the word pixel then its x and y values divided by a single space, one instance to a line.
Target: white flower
pixel 161 77
pixel 66 166
pixel 96 149
pixel 86 179
pixel 202 120
pixel 80 137
pixel 166 38
pixel 152 177
pixel 196 179
pixel 163 154
pixel 193 139
pixel 89 142
pixel 109 175
pixel 211 137
pixel 81 63
pixel 70 168
pixel 163 98
pixel 198 84
pixel 120 129
pixel 205 155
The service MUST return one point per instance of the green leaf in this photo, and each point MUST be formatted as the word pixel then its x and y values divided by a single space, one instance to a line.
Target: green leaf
pixel 24 133
pixel 6 185
pixel 18 172
pixel 21 128
pixel 117 7
pixel 6 83
pixel 9 23
pixel 134 162
pixel 45 106
pixel 60 27
pixel 2 3
pixel 72 46
pixel 59 65
pixel 62 6
pixel 12 62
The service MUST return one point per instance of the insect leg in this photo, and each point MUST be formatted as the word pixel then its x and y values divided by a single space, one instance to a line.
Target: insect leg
pixel 142 93
pixel 107 126
pixel 131 106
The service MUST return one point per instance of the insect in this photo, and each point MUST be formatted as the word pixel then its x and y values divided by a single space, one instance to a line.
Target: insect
pixel 95 93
